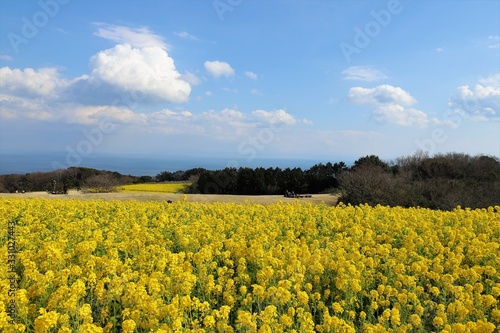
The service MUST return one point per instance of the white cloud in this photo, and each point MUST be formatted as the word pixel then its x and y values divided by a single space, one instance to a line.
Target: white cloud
pixel 167 116
pixel 15 107
pixel 493 80
pixel 227 124
pixel 482 102
pixel 278 117
pixel 91 115
pixel 219 68
pixel 251 75
pixel 363 73
pixel 120 79
pixel 380 95
pixel 391 105
pixel 137 37
pixel 399 115
pixel 6 57
pixel 439 50
pixel 149 72
pixel 44 82
pixel 226 114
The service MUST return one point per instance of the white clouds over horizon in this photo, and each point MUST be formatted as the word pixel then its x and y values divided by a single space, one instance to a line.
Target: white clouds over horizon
pixel 171 77
pixel 120 77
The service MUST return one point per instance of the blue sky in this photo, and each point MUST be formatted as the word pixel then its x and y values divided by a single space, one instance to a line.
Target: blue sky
pixel 242 80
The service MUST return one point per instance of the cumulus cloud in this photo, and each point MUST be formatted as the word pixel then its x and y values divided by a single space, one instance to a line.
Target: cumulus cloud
pixel 120 79
pixel 147 72
pixel 93 114
pixel 225 115
pixel 383 94
pixel 15 107
pixel 44 82
pixel 278 117
pixel 169 116
pixel 219 68
pixel 399 115
pixel 481 102
pixel 363 73
pixel 391 105
pixel 137 37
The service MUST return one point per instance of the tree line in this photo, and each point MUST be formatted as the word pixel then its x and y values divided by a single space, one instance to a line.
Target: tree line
pixel 442 181
pixel 73 177
pixel 270 181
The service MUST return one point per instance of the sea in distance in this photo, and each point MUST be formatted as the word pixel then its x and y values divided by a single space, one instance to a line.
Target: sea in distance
pixel 23 163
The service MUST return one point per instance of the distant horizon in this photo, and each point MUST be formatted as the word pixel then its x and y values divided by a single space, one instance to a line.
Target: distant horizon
pixel 142 166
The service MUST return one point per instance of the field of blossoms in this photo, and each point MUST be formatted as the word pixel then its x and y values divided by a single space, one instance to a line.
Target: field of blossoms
pixel 158 187
pixel 111 266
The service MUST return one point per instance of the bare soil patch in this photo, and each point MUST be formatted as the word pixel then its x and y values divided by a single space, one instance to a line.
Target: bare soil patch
pixel 328 199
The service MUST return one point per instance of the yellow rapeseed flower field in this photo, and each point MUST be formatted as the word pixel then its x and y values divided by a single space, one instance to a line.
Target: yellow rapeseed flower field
pixel 111 266
pixel 159 187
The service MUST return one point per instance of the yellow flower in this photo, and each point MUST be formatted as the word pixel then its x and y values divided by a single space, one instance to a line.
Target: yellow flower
pixel 438 321
pixel 286 320
pixel 302 297
pixel 209 321
pixel 90 328
pixel 337 308
pixel 415 320
pixel 246 321
pixel 46 320
pixel 85 313
pixel 489 300
pixel 258 290
pixel 395 319
pixel 128 326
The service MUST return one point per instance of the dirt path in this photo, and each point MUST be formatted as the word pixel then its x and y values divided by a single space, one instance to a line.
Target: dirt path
pixel 150 196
